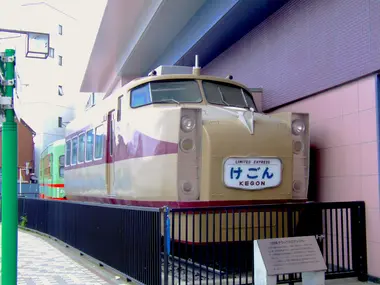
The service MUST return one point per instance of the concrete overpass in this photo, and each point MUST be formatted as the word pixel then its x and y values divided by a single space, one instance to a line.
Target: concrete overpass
pixel 137 36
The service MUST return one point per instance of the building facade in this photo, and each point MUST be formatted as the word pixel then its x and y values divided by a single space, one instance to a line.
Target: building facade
pixel 45 93
pixel 320 57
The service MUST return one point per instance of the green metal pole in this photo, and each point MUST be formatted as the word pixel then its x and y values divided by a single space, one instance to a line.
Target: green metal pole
pixel 9 185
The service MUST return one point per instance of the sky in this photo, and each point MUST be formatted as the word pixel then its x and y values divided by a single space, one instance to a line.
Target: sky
pixel 88 14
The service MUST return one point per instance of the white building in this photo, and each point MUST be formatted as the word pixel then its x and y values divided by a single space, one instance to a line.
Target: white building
pixel 46 88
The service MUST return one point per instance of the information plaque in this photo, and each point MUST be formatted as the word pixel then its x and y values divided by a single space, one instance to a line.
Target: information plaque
pixel 288 255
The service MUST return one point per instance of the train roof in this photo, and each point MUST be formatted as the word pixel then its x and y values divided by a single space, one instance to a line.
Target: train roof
pixel 57 143
pixel 142 80
pixel 159 74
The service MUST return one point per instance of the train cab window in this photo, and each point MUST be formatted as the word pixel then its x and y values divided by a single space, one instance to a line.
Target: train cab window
pixel 61 165
pixel 173 91
pixel 81 148
pixel 47 166
pixel 99 141
pixel 74 151
pixel 140 96
pixel 68 153
pixel 119 106
pixel 227 95
pixel 89 145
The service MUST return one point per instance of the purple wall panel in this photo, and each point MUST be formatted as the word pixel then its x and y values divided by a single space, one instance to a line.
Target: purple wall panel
pixel 305 47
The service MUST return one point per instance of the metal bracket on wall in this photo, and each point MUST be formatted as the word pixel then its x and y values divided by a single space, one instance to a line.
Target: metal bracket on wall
pixel 6 102
pixel 7 58
pixel 9 82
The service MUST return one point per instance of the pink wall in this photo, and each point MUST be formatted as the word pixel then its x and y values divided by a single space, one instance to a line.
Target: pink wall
pixel 343 129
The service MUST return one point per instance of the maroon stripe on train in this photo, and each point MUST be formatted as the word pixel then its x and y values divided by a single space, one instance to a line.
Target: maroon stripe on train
pixel 140 145
pixel 176 204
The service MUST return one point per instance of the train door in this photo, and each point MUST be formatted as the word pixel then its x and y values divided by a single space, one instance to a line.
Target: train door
pixel 110 144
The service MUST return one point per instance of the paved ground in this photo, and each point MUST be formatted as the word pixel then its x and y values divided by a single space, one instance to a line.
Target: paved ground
pixel 41 261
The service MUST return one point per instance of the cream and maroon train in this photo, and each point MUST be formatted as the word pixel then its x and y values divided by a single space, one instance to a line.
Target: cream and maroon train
pixel 178 138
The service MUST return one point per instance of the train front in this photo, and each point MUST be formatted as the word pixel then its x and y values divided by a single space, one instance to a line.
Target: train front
pixel 231 154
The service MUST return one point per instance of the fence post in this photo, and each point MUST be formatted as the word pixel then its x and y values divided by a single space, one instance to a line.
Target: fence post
pixel 359 241
pixel 166 244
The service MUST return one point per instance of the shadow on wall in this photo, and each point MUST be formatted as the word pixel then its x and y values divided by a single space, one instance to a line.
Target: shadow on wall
pixel 313 174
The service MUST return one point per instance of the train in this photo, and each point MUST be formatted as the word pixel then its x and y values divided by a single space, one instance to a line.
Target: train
pixel 51 171
pixel 178 138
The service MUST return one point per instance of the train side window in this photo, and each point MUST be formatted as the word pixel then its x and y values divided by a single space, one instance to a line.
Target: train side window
pixel 99 142
pixel 90 145
pixel 68 153
pixel 81 148
pixel 119 106
pixel 61 165
pixel 51 163
pixel 74 151
pixel 140 96
pixel 47 165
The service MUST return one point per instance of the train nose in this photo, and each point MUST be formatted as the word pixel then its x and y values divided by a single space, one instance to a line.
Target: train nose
pixel 239 165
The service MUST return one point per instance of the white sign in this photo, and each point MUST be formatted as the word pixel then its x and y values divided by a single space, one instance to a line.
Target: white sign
pixel 252 173
pixel 288 255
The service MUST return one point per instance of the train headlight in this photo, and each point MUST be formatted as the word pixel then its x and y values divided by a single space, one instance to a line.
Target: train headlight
pixel 187 144
pixel 297 146
pixel 298 127
pixel 187 124
pixel 297 185
pixel 190 131
pixel 187 187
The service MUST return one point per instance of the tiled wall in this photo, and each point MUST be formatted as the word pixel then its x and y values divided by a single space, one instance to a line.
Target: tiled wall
pixel 305 47
pixel 344 133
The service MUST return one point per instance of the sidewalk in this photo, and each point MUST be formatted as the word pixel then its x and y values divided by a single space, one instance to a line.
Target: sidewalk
pixel 43 261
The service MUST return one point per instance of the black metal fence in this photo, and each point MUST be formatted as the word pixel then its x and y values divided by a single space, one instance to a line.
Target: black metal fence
pixel 127 239
pixel 201 245
pixel 215 245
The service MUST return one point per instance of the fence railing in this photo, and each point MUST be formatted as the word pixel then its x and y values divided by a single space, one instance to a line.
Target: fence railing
pixel 212 245
pixel 215 245
pixel 127 239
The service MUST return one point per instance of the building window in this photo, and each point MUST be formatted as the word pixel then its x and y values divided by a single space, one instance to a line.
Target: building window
pixel 60 58
pixel 60 122
pixel 51 52
pixel 60 90
pixel 60 29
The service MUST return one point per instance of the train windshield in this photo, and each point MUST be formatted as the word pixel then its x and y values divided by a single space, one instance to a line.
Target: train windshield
pixel 175 91
pixel 227 95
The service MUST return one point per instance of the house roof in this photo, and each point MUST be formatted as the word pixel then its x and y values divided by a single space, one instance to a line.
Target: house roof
pixel 21 121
